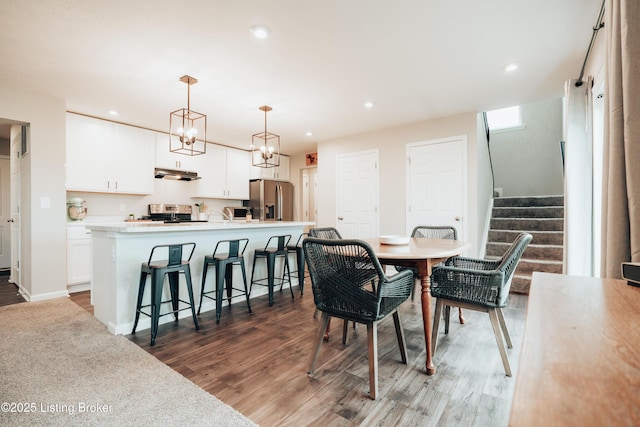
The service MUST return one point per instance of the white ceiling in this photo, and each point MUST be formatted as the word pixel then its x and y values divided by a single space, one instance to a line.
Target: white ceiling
pixel 415 59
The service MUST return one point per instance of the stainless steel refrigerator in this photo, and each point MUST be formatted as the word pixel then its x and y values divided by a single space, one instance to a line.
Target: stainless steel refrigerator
pixel 271 200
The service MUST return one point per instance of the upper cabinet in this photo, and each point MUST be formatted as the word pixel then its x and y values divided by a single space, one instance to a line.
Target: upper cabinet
pixel 167 159
pixel 280 173
pixel 107 157
pixel 225 173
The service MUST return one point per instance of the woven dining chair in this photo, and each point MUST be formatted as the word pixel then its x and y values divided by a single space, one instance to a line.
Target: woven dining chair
pixel 348 282
pixel 480 285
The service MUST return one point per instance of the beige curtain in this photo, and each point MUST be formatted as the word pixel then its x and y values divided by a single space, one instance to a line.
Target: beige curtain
pixel 621 180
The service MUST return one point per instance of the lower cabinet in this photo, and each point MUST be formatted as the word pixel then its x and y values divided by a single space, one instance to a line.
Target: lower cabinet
pixel 78 258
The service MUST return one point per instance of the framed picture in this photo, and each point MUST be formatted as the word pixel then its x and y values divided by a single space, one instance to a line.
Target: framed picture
pixel 312 159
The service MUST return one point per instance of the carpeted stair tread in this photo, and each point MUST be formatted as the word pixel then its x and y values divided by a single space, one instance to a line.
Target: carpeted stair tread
pixel 543 217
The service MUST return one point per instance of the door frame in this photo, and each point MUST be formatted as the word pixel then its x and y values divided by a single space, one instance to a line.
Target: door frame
pixel 463 228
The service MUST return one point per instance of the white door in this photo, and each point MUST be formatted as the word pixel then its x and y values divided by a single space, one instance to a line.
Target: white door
pixel 357 197
pixel 436 177
pixel 5 213
pixel 309 187
pixel 16 144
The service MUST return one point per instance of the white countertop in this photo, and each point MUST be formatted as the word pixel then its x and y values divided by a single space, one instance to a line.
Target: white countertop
pixel 159 226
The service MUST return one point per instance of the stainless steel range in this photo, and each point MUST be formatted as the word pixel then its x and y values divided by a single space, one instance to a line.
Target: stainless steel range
pixel 171 213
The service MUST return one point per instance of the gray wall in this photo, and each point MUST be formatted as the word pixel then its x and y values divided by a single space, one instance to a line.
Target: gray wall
pixel 527 161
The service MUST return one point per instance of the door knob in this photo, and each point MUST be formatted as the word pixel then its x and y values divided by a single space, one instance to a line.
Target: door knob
pixel 340 218
pixel 458 218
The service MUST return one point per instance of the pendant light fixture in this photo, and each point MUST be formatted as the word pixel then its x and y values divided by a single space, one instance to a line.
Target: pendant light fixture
pixel 188 129
pixel 265 146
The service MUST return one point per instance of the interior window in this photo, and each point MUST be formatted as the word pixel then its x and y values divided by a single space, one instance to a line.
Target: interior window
pixel 505 118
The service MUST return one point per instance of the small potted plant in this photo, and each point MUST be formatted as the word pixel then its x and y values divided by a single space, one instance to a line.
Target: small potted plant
pixel 202 211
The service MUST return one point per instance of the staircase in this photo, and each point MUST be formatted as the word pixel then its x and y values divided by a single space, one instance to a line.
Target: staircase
pixel 543 218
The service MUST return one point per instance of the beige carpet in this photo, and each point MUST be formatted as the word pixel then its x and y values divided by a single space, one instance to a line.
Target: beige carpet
pixel 60 366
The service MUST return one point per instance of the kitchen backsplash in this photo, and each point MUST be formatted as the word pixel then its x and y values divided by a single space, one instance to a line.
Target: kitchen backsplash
pixel 166 191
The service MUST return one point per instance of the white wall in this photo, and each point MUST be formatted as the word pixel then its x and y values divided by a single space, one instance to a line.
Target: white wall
pixel 528 161
pixel 391 144
pixel 43 229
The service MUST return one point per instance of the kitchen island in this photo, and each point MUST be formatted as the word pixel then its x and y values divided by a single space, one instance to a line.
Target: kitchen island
pixel 119 249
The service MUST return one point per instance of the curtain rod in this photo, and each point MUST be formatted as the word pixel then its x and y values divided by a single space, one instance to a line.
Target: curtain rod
pixel 599 25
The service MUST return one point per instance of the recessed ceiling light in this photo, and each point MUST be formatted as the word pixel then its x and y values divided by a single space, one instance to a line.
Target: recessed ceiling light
pixel 511 67
pixel 260 31
pixel 113 112
pixel 309 133
pixel 368 104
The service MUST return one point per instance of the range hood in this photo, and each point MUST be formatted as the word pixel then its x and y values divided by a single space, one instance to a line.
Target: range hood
pixel 162 173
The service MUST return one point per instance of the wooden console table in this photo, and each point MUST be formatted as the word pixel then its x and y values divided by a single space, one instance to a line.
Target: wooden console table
pixel 580 360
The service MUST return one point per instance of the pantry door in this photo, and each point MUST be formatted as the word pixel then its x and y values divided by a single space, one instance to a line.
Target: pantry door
pixel 436 184
pixel 357 198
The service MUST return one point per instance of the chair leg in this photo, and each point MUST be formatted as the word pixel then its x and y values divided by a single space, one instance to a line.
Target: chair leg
pixel 228 277
pixel 495 324
pixel 174 283
pixel 324 321
pixel 187 278
pixel 436 325
pixel 286 265
pixel 219 291
pixel 503 325
pixel 244 280
pixel 300 262
pixel 157 282
pixel 143 280
pixel 271 260
pixel 460 316
pixel 372 344
pixel 402 342
pixel 345 329
pixel 205 267
pixel 253 270
pixel 446 316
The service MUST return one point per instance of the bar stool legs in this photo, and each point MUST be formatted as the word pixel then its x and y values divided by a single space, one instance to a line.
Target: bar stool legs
pixel 172 267
pixel 271 254
pixel 223 263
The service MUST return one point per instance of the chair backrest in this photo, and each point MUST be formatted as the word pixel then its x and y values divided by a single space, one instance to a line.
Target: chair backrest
pixel 325 233
pixel 435 232
pixel 281 242
pixel 344 274
pixel 349 282
pixel 301 238
pixel 173 253
pixel 511 257
pixel 234 247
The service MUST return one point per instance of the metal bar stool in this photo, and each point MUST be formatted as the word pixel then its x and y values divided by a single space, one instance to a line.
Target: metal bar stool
pixel 271 252
pixel 224 262
pixel 172 266
pixel 299 253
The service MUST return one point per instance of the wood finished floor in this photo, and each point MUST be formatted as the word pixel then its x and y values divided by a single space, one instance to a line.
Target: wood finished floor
pixel 9 292
pixel 258 364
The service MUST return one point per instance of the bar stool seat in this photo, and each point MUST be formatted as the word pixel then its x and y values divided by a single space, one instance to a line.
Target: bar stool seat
pixel 174 264
pixel 224 262
pixel 275 248
pixel 300 263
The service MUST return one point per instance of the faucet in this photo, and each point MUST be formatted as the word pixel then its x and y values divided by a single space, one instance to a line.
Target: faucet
pixel 229 214
pixel 226 216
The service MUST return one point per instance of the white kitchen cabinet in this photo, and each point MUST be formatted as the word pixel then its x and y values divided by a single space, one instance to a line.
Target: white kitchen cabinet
pixel 107 157
pixel 167 159
pixel 281 173
pixel 78 258
pixel 225 174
